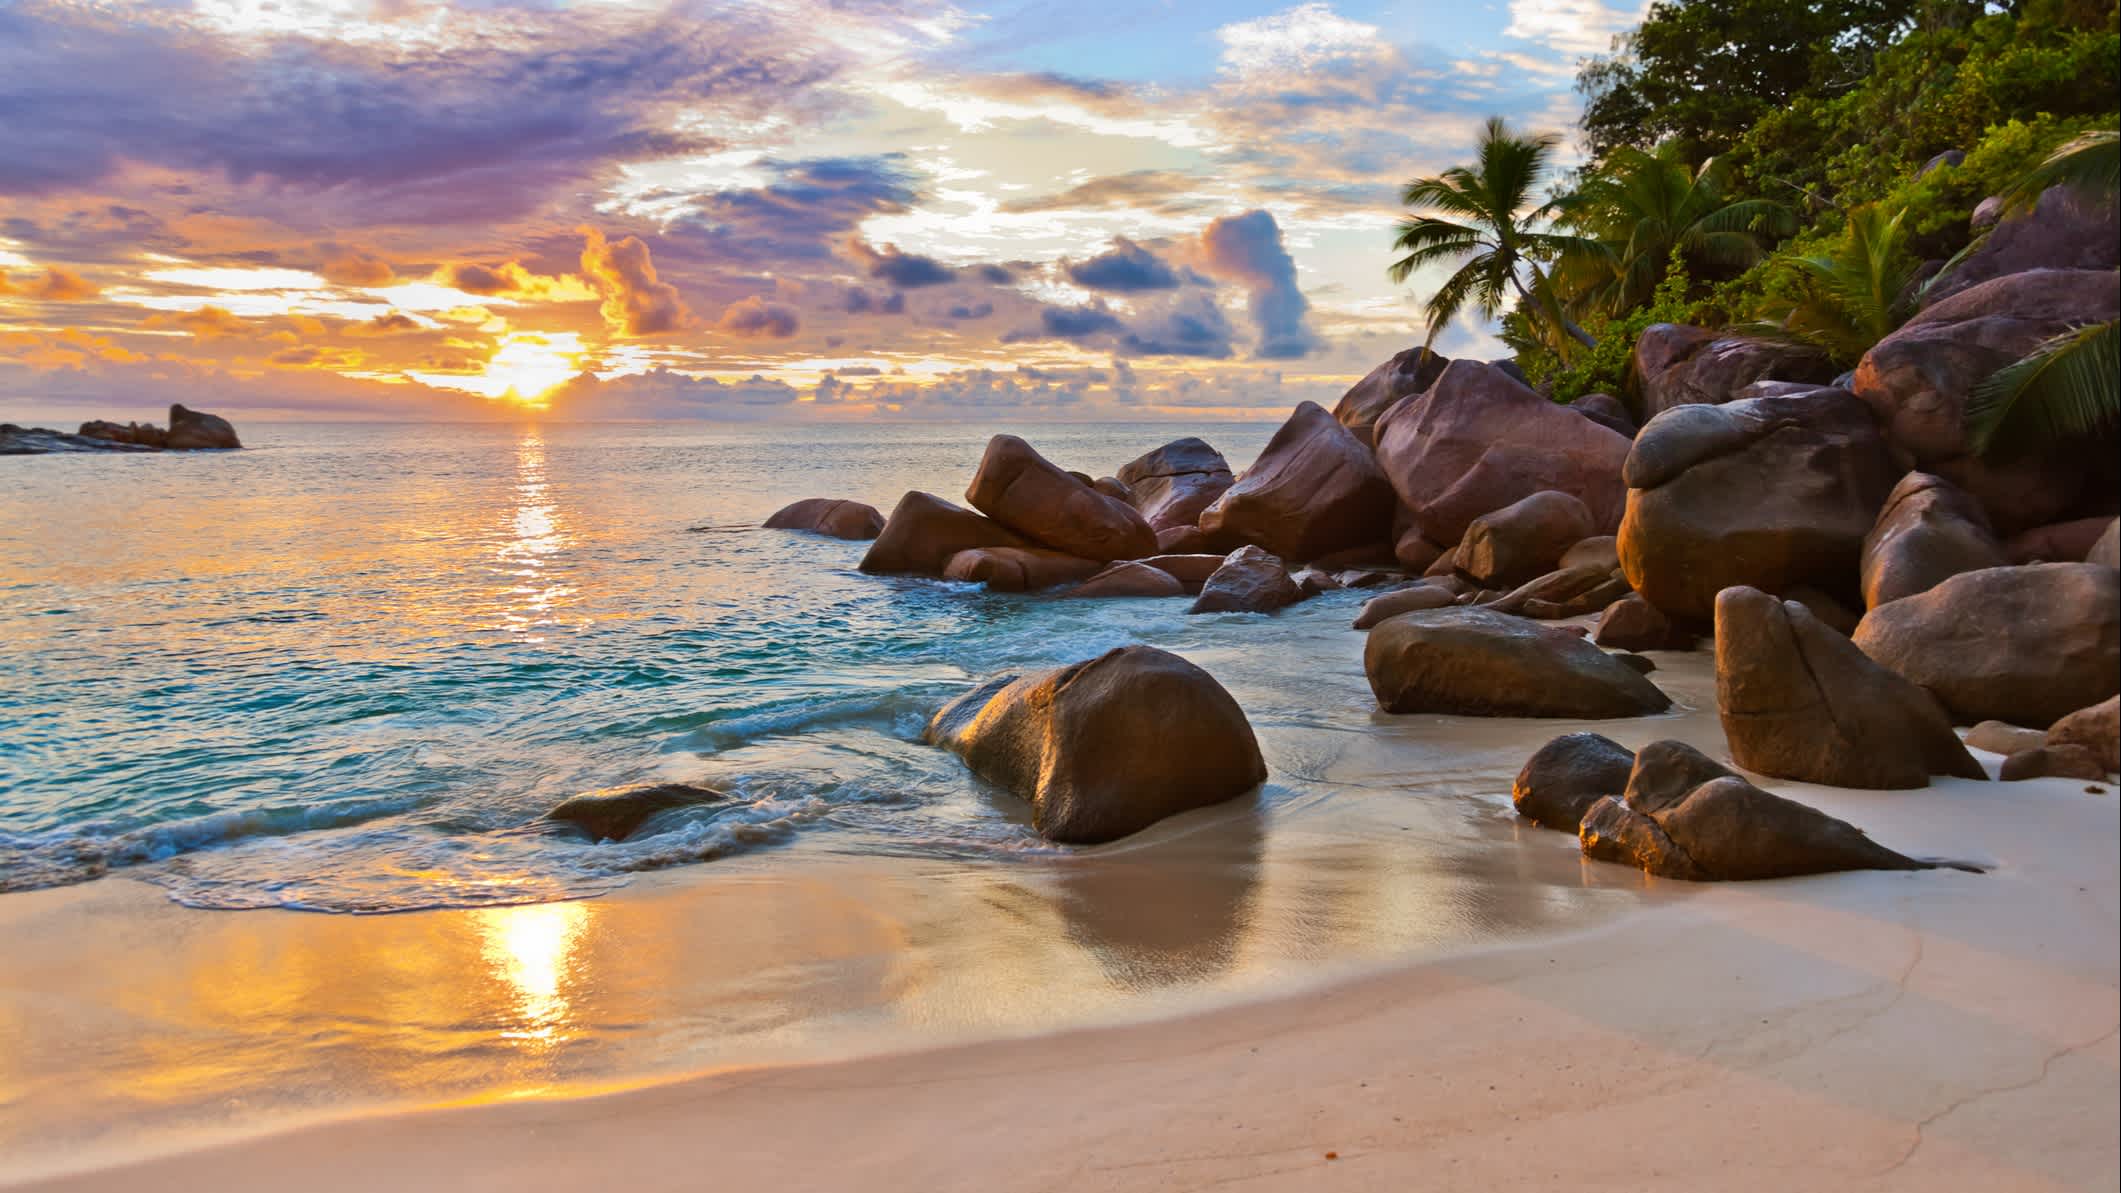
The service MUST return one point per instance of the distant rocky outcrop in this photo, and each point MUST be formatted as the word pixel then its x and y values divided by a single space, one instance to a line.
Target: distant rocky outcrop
pixel 188 430
pixel 1105 748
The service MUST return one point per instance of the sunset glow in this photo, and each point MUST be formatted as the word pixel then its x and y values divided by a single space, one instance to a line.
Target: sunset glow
pixel 1130 211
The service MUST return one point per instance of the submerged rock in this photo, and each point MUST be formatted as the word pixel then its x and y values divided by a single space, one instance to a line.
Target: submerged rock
pixel 1249 581
pixel 1561 781
pixel 1019 569
pixel 924 532
pixel 615 812
pixel 1476 662
pixel 1025 492
pixel 1799 701
pixel 1105 748
pixel 1129 580
pixel 830 517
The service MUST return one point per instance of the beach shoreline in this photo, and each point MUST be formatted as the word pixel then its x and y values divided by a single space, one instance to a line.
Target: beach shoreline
pixel 1876 1030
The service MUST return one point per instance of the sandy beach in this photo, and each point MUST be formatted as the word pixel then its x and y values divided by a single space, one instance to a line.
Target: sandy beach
pixel 1935 1030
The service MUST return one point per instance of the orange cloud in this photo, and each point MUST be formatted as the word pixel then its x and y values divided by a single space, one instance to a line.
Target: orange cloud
pixel 510 279
pixel 389 323
pixel 205 323
pixel 756 318
pixel 358 269
pixel 57 285
pixel 636 302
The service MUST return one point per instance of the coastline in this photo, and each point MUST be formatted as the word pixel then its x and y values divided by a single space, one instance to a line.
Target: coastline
pixel 1875 1030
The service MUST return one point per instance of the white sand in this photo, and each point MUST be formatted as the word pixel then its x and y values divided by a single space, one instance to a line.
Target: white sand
pixel 1870 1031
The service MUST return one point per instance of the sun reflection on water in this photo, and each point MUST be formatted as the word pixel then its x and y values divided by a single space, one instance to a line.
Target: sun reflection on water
pixel 533 949
pixel 535 533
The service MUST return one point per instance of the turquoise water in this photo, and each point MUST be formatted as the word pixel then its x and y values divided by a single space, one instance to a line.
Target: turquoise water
pixel 350 668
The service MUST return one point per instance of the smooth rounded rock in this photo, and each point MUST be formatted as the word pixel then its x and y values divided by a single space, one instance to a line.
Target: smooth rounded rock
pixel 829 517
pixel 1564 777
pixel 1476 662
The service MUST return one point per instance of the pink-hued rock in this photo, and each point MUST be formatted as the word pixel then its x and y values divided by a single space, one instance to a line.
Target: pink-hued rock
pixel 1679 366
pixel 1249 581
pixel 1404 375
pixel 1128 579
pixel 1632 623
pixel 2097 728
pixel 1929 531
pixel 830 517
pixel 1314 490
pixel 2058 542
pixel 1477 441
pixel 924 532
pixel 1170 486
pixel 2064 230
pixel 1918 379
pixel 2052 762
pixel 1524 539
pixel 1190 570
pixel 1607 411
pixel 1020 489
pixel 1770 492
pixel 1019 569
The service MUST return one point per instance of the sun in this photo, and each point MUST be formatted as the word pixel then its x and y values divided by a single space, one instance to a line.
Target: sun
pixel 530 365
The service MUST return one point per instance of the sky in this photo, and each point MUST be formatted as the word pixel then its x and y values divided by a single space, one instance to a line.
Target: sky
pixel 859 209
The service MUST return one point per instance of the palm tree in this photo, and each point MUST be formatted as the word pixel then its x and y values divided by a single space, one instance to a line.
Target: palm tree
pixel 1486 212
pixel 1640 208
pixel 2071 384
pixel 1860 290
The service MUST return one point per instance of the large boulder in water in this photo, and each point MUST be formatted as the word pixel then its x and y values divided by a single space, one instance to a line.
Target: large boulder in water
pixel 2027 645
pixel 1019 569
pixel 615 812
pixel 1314 490
pixel 1477 441
pixel 1561 781
pixel 1476 662
pixel 1727 830
pixel 137 434
pixel 196 430
pixel 1771 492
pixel 1128 579
pixel 1411 599
pixel 1403 376
pixel 1025 492
pixel 1919 378
pixel 1799 701
pixel 1190 570
pixel 1105 748
pixel 1249 581
pixel 924 532
pixel 1524 539
pixel 830 517
pixel 1678 365
pixel 1929 531
pixel 1170 486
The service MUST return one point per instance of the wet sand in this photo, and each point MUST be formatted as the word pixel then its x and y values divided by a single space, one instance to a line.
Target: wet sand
pixel 1562 1024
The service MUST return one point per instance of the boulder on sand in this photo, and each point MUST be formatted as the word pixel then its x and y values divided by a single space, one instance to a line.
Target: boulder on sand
pixel 2097 729
pixel 2002 737
pixel 1632 623
pixel 1727 830
pixel 1021 490
pixel 1129 580
pixel 615 812
pixel 1599 550
pixel 1105 748
pixel 1171 485
pixel 924 532
pixel 1314 490
pixel 1249 581
pixel 2028 645
pixel 2052 762
pixel 1411 599
pixel 1799 701
pixel 1564 777
pixel 1769 492
pixel 830 517
pixel 1019 569
pixel 1928 532
pixel 1476 662
pixel 1665 773
pixel 1477 441
pixel 1919 378
pixel 1404 375
pixel 1524 539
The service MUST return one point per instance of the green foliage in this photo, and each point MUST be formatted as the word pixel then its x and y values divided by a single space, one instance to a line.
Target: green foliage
pixel 2091 161
pixel 2068 387
pixel 1857 292
pixel 1606 367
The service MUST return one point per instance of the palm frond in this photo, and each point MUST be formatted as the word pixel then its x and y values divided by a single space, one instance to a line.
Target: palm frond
pixel 2069 386
pixel 2091 161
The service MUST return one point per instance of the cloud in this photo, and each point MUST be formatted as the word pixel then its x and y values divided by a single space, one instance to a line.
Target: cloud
pixel 667 394
pixel 1578 27
pixel 1248 248
pixel 510 279
pixel 1125 268
pixel 636 302
pixel 1076 323
pixel 207 322
pixel 907 271
pixel 810 206
pixel 386 324
pixel 57 285
pixel 1165 191
pixel 357 269
pixel 969 310
pixel 755 317
pixel 1304 38
pixel 1195 328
